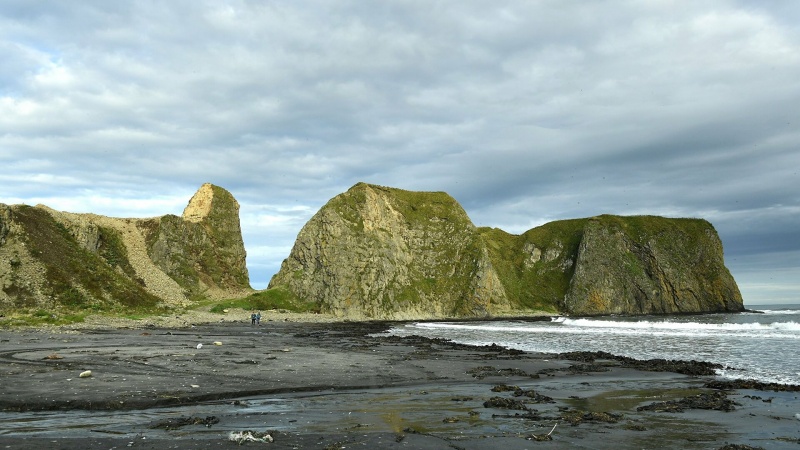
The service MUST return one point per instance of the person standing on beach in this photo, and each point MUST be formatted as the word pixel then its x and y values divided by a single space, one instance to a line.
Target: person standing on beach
pixel 258 318
pixel 253 318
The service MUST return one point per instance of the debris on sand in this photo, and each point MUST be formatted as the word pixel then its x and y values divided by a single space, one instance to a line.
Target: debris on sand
pixel 240 437
pixel 543 437
pixel 85 374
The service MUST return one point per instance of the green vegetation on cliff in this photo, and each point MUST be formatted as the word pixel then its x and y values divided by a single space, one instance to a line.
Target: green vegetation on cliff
pixel 74 276
pixel 535 267
pixel 67 264
pixel 378 252
pixel 204 247
pixel 277 298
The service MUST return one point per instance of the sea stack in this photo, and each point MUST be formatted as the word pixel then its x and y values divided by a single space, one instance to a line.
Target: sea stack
pixel 375 252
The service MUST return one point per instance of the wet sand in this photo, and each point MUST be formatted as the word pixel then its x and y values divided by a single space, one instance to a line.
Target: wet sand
pixel 337 385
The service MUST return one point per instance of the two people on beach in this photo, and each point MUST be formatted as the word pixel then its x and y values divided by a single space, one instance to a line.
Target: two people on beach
pixel 255 318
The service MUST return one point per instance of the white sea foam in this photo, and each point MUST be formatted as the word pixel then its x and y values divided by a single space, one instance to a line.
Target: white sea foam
pixel 789 329
pixel 777 312
pixel 760 346
pixel 686 326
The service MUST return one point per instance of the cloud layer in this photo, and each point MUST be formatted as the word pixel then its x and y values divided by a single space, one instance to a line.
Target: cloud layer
pixel 525 112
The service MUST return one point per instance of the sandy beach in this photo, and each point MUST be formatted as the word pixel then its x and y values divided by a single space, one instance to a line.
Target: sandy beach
pixel 296 384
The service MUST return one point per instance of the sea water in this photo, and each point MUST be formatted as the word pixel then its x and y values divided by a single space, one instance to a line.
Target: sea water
pixel 764 346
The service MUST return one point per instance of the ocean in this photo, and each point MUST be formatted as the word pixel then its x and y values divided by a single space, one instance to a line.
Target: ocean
pixel 763 346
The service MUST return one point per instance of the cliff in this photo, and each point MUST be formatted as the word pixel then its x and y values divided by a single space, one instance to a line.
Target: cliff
pixel 50 258
pixel 384 253
pixel 616 265
pixel 378 252
pixel 372 252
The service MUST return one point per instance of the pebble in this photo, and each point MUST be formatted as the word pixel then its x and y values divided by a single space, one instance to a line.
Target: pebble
pixel 86 374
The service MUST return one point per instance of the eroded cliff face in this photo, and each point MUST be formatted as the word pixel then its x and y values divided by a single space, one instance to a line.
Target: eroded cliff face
pixel 650 265
pixel 382 253
pixel 616 265
pixel 50 258
pixel 203 250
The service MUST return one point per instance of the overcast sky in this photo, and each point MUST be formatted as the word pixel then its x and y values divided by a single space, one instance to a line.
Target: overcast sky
pixel 524 111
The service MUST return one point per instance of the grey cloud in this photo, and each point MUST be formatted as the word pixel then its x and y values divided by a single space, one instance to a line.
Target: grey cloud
pixel 524 111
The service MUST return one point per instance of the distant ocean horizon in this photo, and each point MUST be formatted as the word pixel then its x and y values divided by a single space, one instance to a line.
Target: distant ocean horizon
pixel 752 345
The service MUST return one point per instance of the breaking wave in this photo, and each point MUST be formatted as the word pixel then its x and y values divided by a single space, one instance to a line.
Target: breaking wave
pixel 757 345
pixel 682 326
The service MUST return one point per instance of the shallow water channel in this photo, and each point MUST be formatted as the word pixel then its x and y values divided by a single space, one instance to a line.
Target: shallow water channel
pixel 423 410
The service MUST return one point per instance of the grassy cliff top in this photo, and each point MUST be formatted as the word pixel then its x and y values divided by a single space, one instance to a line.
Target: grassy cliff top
pixel 414 206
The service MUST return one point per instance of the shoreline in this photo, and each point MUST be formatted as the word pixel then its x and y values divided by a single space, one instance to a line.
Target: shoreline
pixel 336 384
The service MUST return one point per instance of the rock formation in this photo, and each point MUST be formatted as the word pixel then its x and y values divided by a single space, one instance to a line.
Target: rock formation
pixel 202 250
pixel 377 252
pixel 372 252
pixel 50 258
pixel 616 265
pixel 384 253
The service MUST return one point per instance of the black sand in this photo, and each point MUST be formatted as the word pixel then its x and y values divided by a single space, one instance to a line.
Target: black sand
pixel 331 385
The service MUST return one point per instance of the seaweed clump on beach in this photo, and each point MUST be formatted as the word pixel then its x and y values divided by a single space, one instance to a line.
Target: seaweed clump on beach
pixel 576 417
pixel 752 384
pixel 695 368
pixel 717 400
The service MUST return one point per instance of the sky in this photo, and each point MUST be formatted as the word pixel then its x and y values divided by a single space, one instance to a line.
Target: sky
pixel 524 111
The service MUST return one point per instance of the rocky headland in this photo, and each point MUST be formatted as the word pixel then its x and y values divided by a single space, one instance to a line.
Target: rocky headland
pixel 383 253
pixel 371 253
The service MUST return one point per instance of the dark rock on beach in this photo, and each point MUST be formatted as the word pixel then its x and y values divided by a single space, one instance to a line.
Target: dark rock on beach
pixel 174 424
pixel 752 384
pixel 696 368
pixel 717 400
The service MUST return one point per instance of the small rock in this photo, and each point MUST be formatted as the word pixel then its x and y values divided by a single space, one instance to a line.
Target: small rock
pixel 85 374
pixel 217 343
pixel 199 346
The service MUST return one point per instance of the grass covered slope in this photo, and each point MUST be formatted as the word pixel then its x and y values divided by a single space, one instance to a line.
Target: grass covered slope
pixel 535 267
pixel 49 268
pixel 72 264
